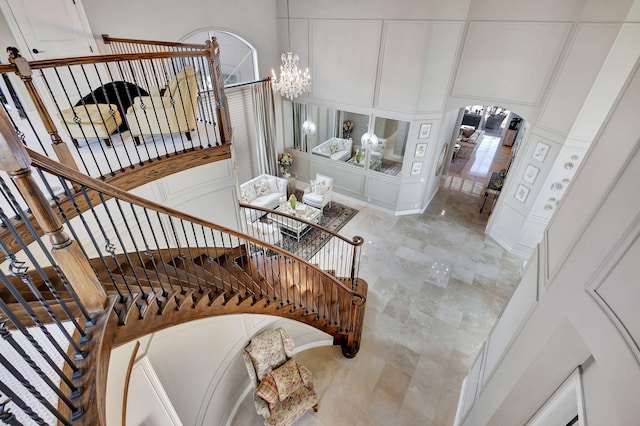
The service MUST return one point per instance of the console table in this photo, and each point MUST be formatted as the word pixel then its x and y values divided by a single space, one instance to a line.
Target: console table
pixel 493 188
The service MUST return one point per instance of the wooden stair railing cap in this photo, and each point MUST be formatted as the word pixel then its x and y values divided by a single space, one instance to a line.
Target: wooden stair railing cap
pixel 55 168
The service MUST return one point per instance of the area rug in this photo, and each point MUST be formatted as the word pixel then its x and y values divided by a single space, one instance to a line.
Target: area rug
pixel 461 158
pixel 457 165
pixel 333 218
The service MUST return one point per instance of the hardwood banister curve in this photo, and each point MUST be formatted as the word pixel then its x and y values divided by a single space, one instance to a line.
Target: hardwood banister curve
pixel 55 168
pixel 108 40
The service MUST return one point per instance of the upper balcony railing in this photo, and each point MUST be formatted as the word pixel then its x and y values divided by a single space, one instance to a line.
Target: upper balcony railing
pixel 106 114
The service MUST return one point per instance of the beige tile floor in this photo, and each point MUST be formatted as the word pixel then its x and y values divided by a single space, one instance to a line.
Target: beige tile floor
pixel 436 285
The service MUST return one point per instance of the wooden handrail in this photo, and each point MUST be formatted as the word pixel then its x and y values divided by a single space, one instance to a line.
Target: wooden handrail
pixel 87 60
pixel 108 40
pixel 55 168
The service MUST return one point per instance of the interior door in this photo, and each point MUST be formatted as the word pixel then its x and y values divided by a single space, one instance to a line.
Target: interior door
pixel 47 29
pixel 50 28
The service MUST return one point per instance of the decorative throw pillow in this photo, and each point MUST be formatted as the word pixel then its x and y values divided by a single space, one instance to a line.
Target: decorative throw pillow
pixel 250 190
pixel 244 197
pixel 262 188
pixel 333 147
pixel 321 189
pixel 273 184
pixel 287 378
pixel 268 390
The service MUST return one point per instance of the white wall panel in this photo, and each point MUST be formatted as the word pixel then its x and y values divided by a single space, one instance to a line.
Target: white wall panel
pixel 442 50
pixel 509 61
pixel 382 190
pixel 515 313
pixel 345 60
pixel 147 402
pixel 403 47
pixel 622 297
pixel 175 347
pixel 582 64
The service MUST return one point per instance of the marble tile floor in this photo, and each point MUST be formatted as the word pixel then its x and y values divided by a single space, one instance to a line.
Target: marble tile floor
pixel 436 285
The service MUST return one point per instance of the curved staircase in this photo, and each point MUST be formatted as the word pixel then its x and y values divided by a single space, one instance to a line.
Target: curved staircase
pixel 117 267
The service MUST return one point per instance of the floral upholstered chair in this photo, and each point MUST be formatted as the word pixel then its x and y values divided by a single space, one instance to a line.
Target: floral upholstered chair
pixel 283 388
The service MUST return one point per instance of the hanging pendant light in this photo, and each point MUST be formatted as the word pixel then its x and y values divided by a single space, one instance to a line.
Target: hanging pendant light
pixel 292 81
pixel 369 141
pixel 309 128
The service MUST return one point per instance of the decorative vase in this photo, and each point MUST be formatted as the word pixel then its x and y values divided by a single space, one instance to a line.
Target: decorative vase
pixel 292 202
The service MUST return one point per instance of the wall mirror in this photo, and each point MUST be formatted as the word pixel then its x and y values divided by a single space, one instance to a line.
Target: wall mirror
pixel 392 140
pixel 338 134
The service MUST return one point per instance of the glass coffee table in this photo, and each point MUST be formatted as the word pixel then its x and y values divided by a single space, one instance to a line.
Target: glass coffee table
pixel 289 223
pixel 374 163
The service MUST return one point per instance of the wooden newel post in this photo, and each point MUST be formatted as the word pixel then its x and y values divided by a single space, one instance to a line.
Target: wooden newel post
pixel 222 109
pixel 23 70
pixel 67 253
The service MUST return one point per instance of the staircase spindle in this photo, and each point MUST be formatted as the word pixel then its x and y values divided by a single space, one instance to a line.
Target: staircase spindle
pixel 15 398
pixel 17 268
pixel 148 251
pixel 29 336
pixel 6 335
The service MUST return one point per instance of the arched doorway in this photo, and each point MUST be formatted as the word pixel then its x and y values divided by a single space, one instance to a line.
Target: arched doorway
pixel 483 146
pixel 238 58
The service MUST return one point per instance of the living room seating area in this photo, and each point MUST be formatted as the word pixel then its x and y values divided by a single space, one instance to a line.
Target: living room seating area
pixel 262 191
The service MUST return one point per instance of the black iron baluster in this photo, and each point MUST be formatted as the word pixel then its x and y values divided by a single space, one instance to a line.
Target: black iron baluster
pixel 168 245
pixel 21 405
pixel 77 372
pixel 6 335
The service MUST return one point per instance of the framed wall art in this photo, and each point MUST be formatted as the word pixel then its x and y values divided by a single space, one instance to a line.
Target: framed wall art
pixel 541 151
pixel 425 131
pixel 531 173
pixel 521 193
pixel 421 150
pixel 416 167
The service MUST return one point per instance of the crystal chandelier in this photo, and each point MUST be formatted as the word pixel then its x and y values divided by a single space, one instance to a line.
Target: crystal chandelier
pixel 292 81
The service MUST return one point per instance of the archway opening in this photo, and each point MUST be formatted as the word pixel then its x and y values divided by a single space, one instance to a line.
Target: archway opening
pixel 238 58
pixel 483 146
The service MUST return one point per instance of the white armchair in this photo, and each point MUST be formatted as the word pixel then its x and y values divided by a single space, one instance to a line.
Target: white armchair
pixel 377 153
pixel 172 112
pixel 319 193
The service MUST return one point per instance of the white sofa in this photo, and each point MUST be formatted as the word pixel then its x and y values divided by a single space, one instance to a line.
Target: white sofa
pixel 262 191
pixel 335 149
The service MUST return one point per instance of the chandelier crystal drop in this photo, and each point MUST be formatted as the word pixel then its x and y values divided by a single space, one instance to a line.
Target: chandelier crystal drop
pixel 292 81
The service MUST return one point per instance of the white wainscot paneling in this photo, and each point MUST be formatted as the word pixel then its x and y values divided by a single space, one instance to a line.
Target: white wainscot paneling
pixel 505 230
pixel 147 402
pixel 184 345
pixel 621 293
pixel 441 54
pixel 197 180
pixel 346 178
pixel 345 60
pixel 410 195
pixel 472 383
pixel 526 52
pixel 515 313
pixel 531 232
pixel 218 207
pixel 583 62
pixel 401 65
pixel 382 190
